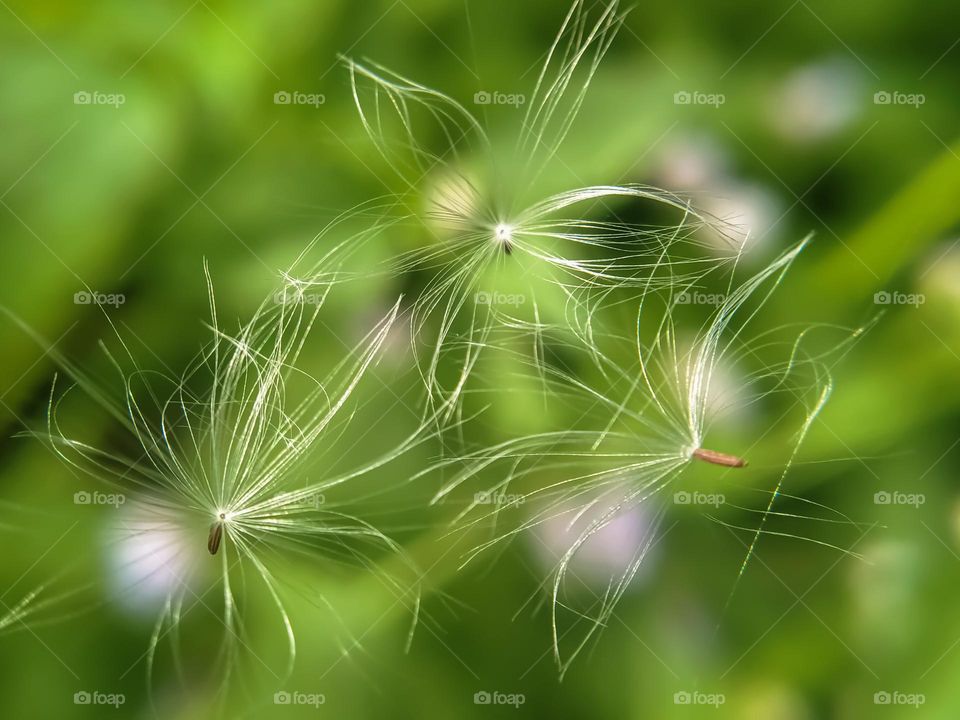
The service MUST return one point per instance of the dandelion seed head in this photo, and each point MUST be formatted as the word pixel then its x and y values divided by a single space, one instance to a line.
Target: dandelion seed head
pixel 225 446
pixel 653 418
pixel 569 238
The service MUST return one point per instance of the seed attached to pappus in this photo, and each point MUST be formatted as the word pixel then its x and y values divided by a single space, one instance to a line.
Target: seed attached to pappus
pixel 504 235
pixel 718 458
pixel 216 535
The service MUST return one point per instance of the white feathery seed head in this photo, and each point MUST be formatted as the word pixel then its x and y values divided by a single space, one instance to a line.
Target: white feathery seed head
pixel 576 239
pixel 224 488
pixel 649 415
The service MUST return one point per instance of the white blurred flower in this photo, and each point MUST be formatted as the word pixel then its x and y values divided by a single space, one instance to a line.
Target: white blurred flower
pixel 817 101
pixel 608 552
pixel 691 162
pixel 750 213
pixel 149 559
pixel 746 213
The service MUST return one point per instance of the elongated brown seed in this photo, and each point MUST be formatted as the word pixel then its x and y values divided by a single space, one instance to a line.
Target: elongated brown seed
pixel 718 458
pixel 216 535
pixel 504 235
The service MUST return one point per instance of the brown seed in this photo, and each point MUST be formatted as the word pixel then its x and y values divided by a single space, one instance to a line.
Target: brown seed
pixel 718 458
pixel 504 235
pixel 216 535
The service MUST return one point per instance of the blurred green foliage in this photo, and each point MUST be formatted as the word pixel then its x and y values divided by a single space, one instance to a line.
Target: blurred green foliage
pixel 199 162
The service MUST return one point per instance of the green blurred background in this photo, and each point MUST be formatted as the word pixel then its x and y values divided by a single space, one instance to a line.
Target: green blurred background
pixel 198 162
